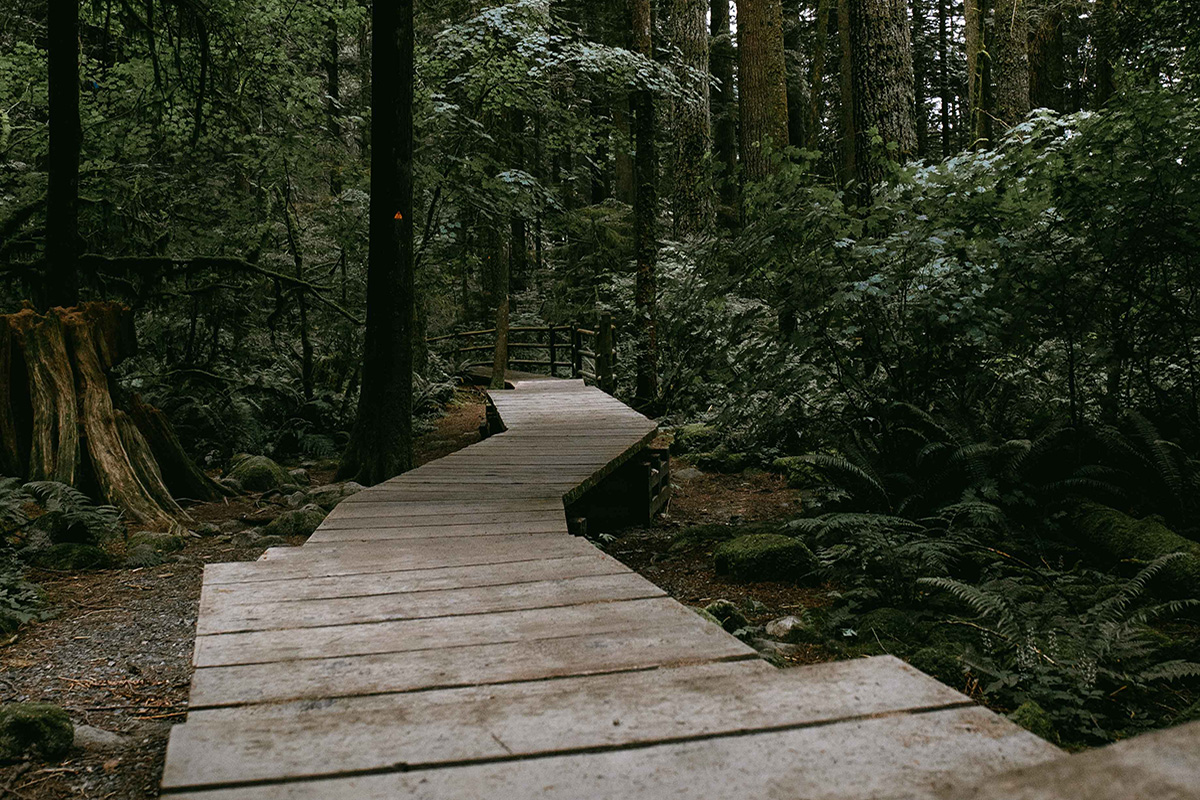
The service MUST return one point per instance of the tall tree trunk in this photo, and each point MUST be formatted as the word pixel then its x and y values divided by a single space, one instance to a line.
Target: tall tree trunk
pixel 849 165
pixel 622 158
pixel 380 445
pixel 645 214
pixel 333 91
pixel 514 267
pixel 62 194
pixel 1012 61
pixel 816 75
pixel 979 107
pixel 1046 61
pixel 944 73
pixel 882 72
pixel 796 79
pixel 691 201
pixel 1104 35
pixel 724 110
pixel 920 59
pixel 762 84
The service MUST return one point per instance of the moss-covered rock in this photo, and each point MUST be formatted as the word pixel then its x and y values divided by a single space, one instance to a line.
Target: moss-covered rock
pixel 69 557
pixel 300 522
pixel 1033 718
pixel 258 474
pixel 727 615
pixel 792 629
pixel 704 614
pixel 800 473
pixel 145 555
pixel 34 729
pixel 162 542
pixel 330 495
pixel 722 460
pixel 764 557
pixel 694 438
pixel 1121 537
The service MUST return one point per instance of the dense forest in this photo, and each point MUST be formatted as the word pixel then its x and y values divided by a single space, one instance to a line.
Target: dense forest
pixel 935 263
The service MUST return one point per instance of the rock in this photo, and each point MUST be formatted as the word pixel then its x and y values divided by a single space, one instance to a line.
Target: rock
pixel 787 629
pixel 774 648
pixel 145 555
pixel 258 474
pixel 300 522
pixel 299 476
pixel 297 499
pixel 163 542
pixel 704 613
pixel 764 557
pixel 722 460
pixel 70 557
pixel 686 474
pixel 727 614
pixel 36 729
pixel 207 529
pixel 272 541
pixel 1033 718
pixel 230 483
pixel 249 538
pixel 89 738
pixel 233 526
pixel 694 438
pixel 331 494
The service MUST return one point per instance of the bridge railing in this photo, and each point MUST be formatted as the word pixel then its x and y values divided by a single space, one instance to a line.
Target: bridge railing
pixel 559 350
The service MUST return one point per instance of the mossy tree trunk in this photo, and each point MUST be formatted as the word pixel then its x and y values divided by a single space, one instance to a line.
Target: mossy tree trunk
pixel 60 421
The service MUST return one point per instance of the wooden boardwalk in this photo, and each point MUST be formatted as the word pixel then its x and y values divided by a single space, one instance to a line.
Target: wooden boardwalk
pixel 443 636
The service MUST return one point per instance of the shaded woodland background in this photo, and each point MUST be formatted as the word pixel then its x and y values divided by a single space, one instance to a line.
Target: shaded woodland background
pixel 936 262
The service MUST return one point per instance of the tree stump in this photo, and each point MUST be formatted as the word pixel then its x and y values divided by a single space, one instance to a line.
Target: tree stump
pixel 59 420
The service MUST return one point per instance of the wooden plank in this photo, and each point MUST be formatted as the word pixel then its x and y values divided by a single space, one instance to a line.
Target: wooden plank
pixel 683 642
pixel 383 518
pixel 897 756
pixel 402 556
pixel 422 580
pixel 226 615
pixel 362 533
pixel 427 729
pixel 431 633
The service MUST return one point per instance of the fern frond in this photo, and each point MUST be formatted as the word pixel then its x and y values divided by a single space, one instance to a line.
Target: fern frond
pixel 860 480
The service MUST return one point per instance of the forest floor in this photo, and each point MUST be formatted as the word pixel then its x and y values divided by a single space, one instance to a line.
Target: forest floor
pixel 117 651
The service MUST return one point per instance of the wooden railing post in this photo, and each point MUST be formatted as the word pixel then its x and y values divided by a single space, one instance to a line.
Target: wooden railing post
pixel 553 354
pixel 576 355
pixel 604 353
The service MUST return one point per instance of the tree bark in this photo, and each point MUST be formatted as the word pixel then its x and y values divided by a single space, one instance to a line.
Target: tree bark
pixel 848 161
pixel 1046 61
pixel 944 73
pixel 1012 62
pixel 882 72
pixel 645 216
pixel 762 85
pixel 62 192
pixel 816 76
pixel 724 109
pixel 920 60
pixel 333 90
pixel 1104 34
pixel 691 201
pixel 380 445
pixel 179 472
pixel 979 107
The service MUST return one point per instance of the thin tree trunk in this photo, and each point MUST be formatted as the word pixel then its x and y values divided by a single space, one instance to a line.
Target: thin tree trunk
pixel 306 348
pixel 622 158
pixel 1046 61
pixel 333 90
pixel 1104 34
pixel 691 202
pixel 62 194
pixel 796 79
pixel 920 59
pixel 380 445
pixel 724 110
pixel 979 109
pixel 944 73
pixel 202 87
pixel 882 72
pixel 762 85
pixel 645 214
pixel 1012 62
pixel 816 75
pixel 849 164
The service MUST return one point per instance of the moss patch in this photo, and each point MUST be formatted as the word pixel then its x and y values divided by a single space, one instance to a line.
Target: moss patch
pixel 70 557
pixel 258 474
pixel 34 729
pixel 694 438
pixel 764 557
pixel 726 614
pixel 301 522
pixel 1033 718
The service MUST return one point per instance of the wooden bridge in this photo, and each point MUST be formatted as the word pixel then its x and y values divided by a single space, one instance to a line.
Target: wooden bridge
pixel 442 635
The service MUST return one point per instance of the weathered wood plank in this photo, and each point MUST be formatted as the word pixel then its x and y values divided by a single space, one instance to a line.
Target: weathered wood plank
pixel 680 642
pixel 322 536
pixel 226 615
pixel 386 520
pixel 887 757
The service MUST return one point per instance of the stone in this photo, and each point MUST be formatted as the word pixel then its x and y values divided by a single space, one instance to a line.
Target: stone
pixel 233 526
pixel 34 729
pixel 258 474
pixel 70 556
pixel 145 555
pixel 299 476
pixel 250 538
pixel 686 474
pixel 90 738
pixel 207 529
pixel 727 614
pixel 722 460
pixel 764 557
pixel 297 499
pixel 787 629
pixel 1033 718
pixel 230 483
pixel 706 615
pixel 774 648
pixel 331 494
pixel 298 522
pixel 694 438
pixel 163 542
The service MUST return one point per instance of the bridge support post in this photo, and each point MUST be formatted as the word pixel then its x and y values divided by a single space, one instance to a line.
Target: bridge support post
pixel 604 353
